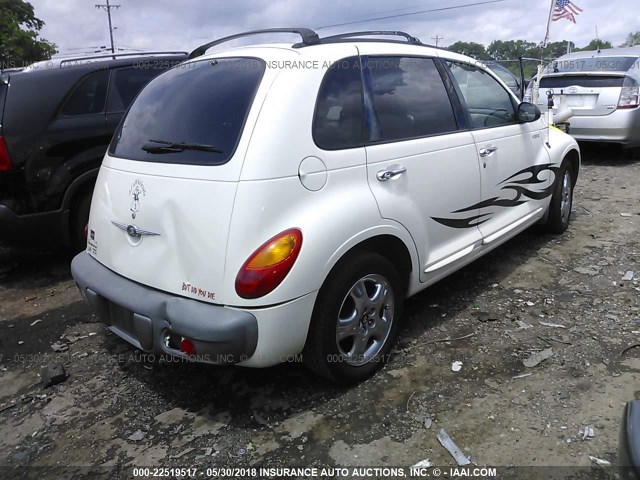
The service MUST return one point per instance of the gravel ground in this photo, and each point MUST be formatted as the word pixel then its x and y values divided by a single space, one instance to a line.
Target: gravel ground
pixel 567 306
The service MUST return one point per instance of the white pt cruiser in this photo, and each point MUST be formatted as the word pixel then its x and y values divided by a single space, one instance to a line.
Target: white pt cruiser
pixel 270 200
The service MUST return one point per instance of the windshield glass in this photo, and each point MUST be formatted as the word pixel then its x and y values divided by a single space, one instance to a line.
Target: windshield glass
pixel 192 114
pixel 592 64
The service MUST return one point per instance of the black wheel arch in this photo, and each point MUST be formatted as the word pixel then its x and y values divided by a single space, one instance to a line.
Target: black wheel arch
pixel 573 158
pixel 388 246
pixel 79 186
pixel 82 185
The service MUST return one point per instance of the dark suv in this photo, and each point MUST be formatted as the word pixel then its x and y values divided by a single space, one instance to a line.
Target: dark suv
pixel 56 121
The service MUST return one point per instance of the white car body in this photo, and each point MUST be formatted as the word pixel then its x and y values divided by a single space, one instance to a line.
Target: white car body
pixel 209 219
pixel 602 90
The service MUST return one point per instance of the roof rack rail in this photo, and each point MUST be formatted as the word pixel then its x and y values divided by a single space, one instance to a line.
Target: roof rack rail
pixel 116 55
pixel 394 33
pixel 309 37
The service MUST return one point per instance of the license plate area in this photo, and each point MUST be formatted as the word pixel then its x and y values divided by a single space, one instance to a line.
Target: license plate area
pixel 121 318
pixel 581 101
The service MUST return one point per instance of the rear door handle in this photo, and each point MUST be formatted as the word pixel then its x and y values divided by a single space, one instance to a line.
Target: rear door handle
pixel 389 173
pixel 486 151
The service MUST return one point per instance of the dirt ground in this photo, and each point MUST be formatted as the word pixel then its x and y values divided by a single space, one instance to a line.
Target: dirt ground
pixel 570 294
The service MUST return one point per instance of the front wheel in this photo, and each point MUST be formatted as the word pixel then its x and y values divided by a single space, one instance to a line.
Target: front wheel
pixel 561 201
pixel 355 319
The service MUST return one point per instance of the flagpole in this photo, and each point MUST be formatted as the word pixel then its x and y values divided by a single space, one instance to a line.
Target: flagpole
pixel 546 37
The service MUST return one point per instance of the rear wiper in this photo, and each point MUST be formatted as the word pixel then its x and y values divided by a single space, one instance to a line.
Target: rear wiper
pixel 172 147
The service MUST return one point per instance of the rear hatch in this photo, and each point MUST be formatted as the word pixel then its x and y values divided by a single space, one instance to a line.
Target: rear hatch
pixel 591 86
pixel 163 199
pixel 586 94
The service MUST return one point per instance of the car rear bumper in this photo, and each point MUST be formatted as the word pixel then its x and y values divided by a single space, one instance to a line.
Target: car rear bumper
pixel 155 321
pixel 34 228
pixel 621 126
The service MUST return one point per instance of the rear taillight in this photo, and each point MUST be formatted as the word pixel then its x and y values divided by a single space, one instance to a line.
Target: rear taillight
pixel 630 94
pixel 267 267
pixel 187 347
pixel 5 161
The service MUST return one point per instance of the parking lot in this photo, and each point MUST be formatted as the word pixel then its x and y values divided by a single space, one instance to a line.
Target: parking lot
pixel 571 294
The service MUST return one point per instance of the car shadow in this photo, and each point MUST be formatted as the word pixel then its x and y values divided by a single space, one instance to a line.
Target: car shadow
pixel 28 268
pixel 276 393
pixel 426 311
pixel 607 154
pixel 284 390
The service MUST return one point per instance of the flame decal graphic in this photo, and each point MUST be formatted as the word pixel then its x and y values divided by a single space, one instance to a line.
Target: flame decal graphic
pixel 517 186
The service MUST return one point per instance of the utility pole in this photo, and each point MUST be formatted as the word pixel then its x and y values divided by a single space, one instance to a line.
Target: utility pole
pixel 437 39
pixel 108 8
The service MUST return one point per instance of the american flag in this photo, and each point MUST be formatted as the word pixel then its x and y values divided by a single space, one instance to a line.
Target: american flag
pixel 565 9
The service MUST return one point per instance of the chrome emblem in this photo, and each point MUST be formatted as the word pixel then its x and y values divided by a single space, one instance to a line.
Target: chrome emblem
pixel 572 90
pixel 133 231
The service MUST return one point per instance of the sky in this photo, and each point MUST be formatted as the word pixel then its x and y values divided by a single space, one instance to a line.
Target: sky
pixel 78 26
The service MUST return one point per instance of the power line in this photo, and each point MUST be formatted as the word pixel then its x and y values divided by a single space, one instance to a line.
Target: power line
pixel 108 8
pixel 410 13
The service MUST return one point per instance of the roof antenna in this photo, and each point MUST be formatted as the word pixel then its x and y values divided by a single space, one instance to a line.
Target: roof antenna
pixel 597 39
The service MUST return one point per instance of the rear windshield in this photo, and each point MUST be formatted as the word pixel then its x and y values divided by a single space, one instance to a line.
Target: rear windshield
pixel 192 114
pixel 593 64
pixel 581 81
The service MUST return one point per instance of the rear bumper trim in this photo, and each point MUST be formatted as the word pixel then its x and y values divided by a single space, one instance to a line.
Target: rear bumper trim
pixel 146 318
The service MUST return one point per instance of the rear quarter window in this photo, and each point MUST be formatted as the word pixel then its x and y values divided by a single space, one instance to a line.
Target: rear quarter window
pixel 89 96
pixel 125 84
pixel 200 104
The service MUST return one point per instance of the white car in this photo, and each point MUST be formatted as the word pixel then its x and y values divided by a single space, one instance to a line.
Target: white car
pixel 602 89
pixel 271 200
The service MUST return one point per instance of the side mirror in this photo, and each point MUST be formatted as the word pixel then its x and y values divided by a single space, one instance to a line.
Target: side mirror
pixel 528 112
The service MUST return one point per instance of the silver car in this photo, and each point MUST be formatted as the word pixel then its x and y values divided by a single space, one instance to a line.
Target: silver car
pixel 602 88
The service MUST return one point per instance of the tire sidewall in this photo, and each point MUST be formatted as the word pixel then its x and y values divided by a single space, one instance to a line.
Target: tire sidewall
pixel 556 224
pixel 327 310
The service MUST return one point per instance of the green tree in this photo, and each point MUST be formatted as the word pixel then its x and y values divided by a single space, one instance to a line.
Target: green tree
pixel 19 40
pixel 596 44
pixel 471 49
pixel 632 39
pixel 557 49
pixel 513 49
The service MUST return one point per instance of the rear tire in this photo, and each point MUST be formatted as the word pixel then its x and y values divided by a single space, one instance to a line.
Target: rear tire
pixel 355 319
pixel 561 201
pixel 79 221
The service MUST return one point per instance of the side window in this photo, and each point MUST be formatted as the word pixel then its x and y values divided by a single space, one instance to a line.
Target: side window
pixel 126 83
pixel 409 98
pixel 489 104
pixel 89 96
pixel 339 116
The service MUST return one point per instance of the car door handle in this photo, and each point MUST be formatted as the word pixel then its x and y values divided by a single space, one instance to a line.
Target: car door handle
pixel 389 173
pixel 486 151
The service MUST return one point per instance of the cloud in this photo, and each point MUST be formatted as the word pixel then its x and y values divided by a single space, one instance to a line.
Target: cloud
pixel 76 25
